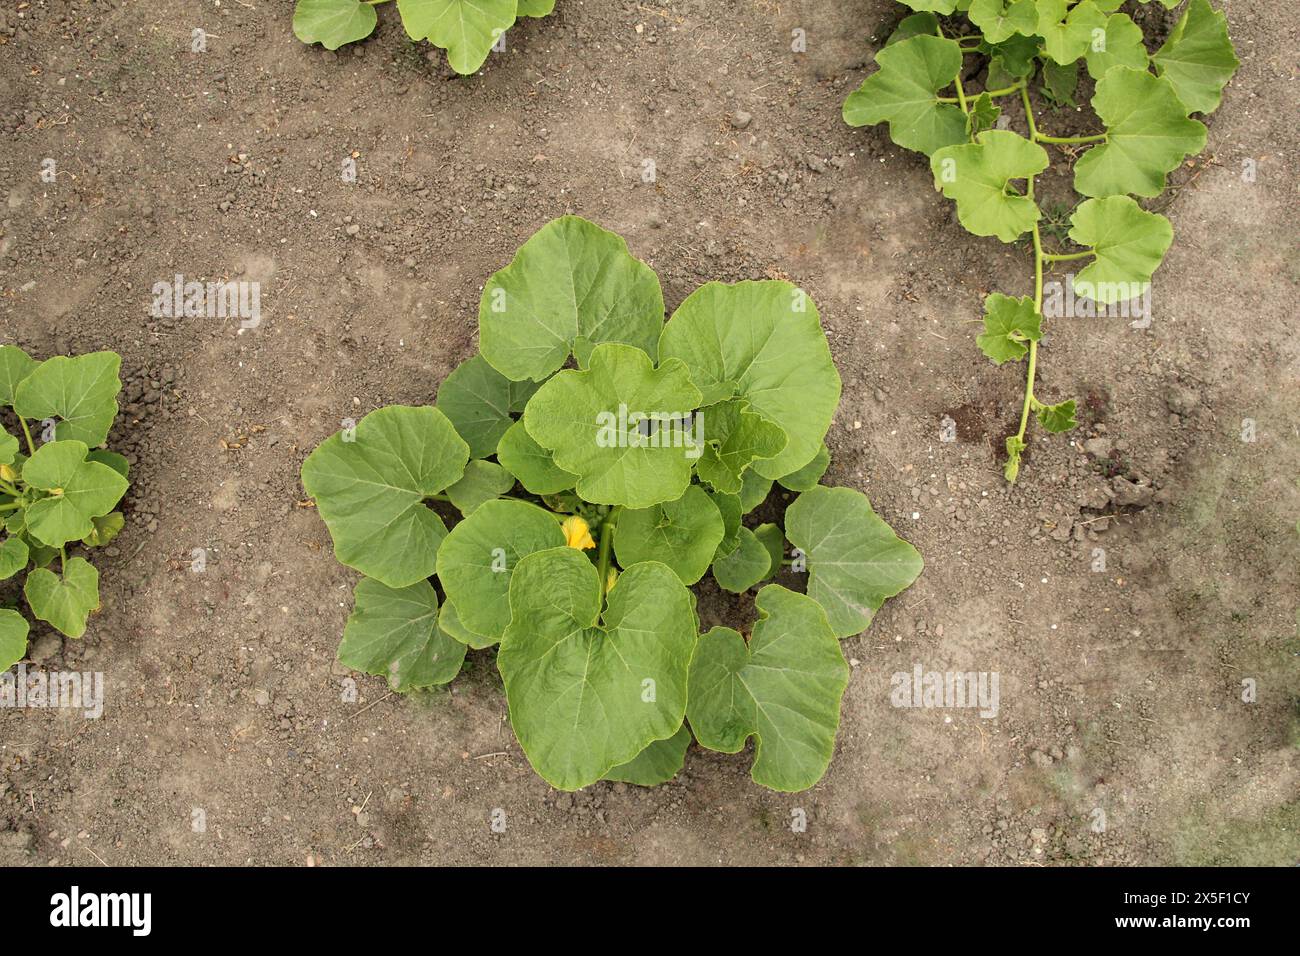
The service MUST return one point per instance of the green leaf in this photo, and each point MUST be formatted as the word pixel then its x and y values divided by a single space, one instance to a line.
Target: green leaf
pixel 763 342
pixel 479 556
pixel 1129 244
pixel 1015 445
pixel 729 507
pixel 64 601
pixel 8 448
pixel 658 763
pixel 999 20
pixel 332 23
pixel 811 473
pixel 13 557
pixel 371 491
pixel 935 6
pixel 1014 57
pixel 1060 82
pixel 1066 38
pixel 106 529
pixel 111 458
pixel 394 633
pixel 754 489
pixel 535 8
pixel 1008 325
pixel 1147 136
pixel 1120 45
pixel 569 288
pixel 855 561
pixel 683 534
pixel 482 481
pixel 978 176
pixel 15 365
pixel 904 92
pixel 466 29
pixel 744 567
pixel 734 438
pixel 1198 58
pixel 983 114
pixel 532 464
pixel 451 624
pixel 81 391
pixel 783 687
pixel 595 422
pixel 79 490
pixel 917 24
pixel 772 538
pixel 586 697
pixel 1057 418
pixel 13 638
pixel 479 401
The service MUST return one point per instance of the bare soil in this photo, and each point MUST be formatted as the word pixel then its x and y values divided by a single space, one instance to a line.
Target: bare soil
pixel 1121 690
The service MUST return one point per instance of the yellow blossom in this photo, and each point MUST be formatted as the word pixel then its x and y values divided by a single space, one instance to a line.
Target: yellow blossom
pixel 576 533
pixel 7 473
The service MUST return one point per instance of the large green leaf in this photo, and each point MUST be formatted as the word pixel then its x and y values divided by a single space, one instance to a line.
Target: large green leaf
pixel 754 490
pixel 999 20
pixel 658 763
pixel 1198 58
pixel 1009 326
pixel 393 633
pixel 81 392
pixel 683 534
pixel 932 6
pixel 729 507
pixel 734 438
pixel 570 287
pixel 450 623
pixel 13 639
pixel 535 8
pixel 466 29
pixel 482 481
pixel 79 490
pixel 371 491
pixel 811 473
pixel 904 92
pixel 1147 136
pixel 763 342
pixel 585 696
pixel 532 464
pixel 979 177
pixel 619 426
pixel 1129 244
pixel 13 557
pixel 1120 45
pixel 15 365
pixel 479 556
pixel 783 687
pixel 332 23
pixel 855 561
pixel 480 402
pixel 66 600
pixel 1066 38
pixel 8 448
pixel 747 564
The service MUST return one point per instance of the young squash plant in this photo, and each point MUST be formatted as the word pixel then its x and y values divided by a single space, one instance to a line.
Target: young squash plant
pixel 603 463
pixel 466 29
pixel 59 493
pixel 1143 104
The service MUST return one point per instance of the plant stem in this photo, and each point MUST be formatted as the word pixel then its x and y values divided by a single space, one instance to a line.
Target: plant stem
pixel 1065 140
pixel 31 446
pixel 1029 117
pixel 1033 346
pixel 9 489
pixel 606 545
pixel 10 507
pixel 992 93
pixel 1066 256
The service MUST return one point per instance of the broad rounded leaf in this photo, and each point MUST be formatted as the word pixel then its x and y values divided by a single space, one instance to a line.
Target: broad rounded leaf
pixel 80 491
pixel 683 534
pixel 1198 58
pixel 13 557
pixel 1066 38
pixel 81 392
pixel 905 93
pixel 924 23
pixel 393 633
pixel 480 401
pixel 729 507
pixel 451 624
pixel 332 23
pixel 482 481
pixel 735 437
pixel 466 29
pixel 855 561
pixel 570 287
pixel 932 6
pixel 999 20
pixel 586 697
pixel 15 365
pixel 1009 324
pixel 535 8
pixel 479 556
pixel 745 566
pixel 979 175
pixel 772 538
pixel 811 473
pixel 115 461
pixel 370 491
pixel 13 639
pixel 1129 244
pixel 107 527
pixel 1120 45
pixel 619 426
pixel 8 448
pixel 1147 136
pixel 64 601
pixel 1058 418
pixel 754 490
pixel 763 342
pixel 658 763
pixel 532 464
pixel 783 687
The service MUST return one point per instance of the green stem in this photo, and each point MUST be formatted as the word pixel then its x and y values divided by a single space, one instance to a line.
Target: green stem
pixel 1029 113
pixel 606 545
pixel 63 560
pixel 1067 256
pixel 31 446
pixel 9 489
pixel 1066 140
pixel 961 96
pixel 10 507
pixel 993 94
pixel 1033 346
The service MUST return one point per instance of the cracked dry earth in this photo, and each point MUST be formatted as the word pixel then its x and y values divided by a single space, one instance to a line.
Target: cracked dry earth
pixel 1121 689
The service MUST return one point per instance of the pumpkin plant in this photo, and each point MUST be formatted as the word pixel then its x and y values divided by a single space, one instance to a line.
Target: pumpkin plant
pixel 599 463
pixel 1038 50
pixel 59 493
pixel 466 29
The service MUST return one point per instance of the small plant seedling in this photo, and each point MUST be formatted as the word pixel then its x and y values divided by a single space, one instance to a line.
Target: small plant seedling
pixel 1142 102
pixel 59 493
pixel 603 463
pixel 466 29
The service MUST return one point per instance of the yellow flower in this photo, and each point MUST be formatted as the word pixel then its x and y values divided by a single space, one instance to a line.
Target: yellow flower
pixel 576 533
pixel 7 473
